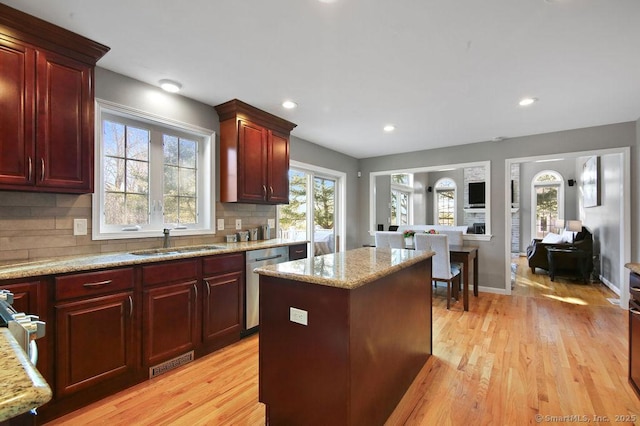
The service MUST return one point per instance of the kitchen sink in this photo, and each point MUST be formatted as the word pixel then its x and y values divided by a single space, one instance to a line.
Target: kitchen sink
pixel 175 250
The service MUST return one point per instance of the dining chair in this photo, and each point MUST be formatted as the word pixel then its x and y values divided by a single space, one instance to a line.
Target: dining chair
pixel 455 237
pixel 389 239
pixel 442 268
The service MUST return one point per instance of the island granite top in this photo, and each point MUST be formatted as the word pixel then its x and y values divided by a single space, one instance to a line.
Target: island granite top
pixel 349 269
pixel 110 260
pixel 23 388
pixel 633 267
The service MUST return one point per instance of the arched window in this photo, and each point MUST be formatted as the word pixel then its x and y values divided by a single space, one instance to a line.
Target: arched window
pixel 547 202
pixel 445 202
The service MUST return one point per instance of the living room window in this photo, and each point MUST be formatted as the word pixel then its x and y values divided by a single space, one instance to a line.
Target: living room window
pixel 151 174
pixel 445 202
pixel 401 198
pixel 547 201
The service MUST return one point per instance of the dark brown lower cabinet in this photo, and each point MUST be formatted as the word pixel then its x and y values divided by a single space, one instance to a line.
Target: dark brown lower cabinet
pixel 94 342
pixel 170 310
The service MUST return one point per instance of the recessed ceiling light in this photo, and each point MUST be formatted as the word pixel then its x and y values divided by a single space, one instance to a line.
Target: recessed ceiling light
pixel 289 104
pixel 170 86
pixel 389 128
pixel 527 101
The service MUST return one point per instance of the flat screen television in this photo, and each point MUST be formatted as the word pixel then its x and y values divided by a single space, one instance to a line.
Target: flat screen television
pixel 476 194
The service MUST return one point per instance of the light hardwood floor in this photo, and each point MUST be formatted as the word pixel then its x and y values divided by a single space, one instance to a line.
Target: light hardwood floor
pixel 552 349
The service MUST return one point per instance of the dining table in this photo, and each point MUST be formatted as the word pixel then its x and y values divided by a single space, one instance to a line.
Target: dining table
pixel 468 257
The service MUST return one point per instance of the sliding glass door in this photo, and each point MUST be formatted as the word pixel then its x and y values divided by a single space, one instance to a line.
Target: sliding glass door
pixel 312 212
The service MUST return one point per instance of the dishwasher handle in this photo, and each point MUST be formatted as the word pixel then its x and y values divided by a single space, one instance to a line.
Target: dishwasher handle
pixel 262 259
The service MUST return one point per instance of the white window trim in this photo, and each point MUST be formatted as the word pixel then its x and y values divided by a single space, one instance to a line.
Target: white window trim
pixel 436 213
pixel 407 189
pixel 208 191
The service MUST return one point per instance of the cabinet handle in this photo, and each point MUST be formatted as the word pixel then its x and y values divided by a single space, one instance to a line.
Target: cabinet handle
pixel 98 284
pixel 42 169
pixel 264 191
pixel 195 288
pixel 270 191
pixel 208 289
pixel 130 307
pixel 30 168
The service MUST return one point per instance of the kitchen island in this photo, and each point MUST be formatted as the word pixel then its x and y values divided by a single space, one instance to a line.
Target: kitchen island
pixel 343 335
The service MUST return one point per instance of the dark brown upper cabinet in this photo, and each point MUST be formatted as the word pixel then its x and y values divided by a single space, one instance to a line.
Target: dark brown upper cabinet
pixel 254 155
pixel 46 123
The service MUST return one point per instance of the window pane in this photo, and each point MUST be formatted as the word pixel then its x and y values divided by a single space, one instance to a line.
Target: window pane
pixel 187 207
pixel 137 143
pixel 170 150
pixel 137 208
pixel 114 208
pixel 187 182
pixel 113 138
pixel 187 153
pixel 293 216
pixel 170 209
pixel 113 174
pixel 138 177
pixel 170 180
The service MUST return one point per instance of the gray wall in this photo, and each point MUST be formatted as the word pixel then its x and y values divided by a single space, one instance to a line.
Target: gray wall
pixel 604 220
pixel 492 253
pixel 567 169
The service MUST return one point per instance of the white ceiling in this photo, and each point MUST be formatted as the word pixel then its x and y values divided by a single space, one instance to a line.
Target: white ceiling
pixel 444 72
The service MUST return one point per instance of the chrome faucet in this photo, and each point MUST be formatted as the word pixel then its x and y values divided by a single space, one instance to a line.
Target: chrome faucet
pixel 165 232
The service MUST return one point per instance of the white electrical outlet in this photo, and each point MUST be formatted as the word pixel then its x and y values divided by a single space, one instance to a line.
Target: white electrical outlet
pixel 271 223
pixel 79 226
pixel 238 224
pixel 298 316
pixel 220 224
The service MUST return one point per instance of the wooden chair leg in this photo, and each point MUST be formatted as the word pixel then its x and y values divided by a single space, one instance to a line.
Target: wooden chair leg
pixel 448 294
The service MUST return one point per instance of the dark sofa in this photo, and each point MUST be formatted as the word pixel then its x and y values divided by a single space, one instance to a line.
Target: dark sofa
pixel 537 253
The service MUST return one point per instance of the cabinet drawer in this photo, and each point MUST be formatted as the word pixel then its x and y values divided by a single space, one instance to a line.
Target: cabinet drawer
pixel 93 283
pixel 166 272
pixel 223 263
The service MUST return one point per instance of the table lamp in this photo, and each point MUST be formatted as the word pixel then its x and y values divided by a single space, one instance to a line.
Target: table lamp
pixel 574 226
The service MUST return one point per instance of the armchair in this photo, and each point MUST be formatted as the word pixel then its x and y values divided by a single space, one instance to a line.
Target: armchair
pixel 537 253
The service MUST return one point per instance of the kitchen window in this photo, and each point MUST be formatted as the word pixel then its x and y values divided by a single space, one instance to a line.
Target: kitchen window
pixel 151 174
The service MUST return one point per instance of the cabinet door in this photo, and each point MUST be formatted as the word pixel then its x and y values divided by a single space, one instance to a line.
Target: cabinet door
pixel 252 162
pixel 17 71
pixel 222 306
pixel 170 321
pixel 64 142
pixel 94 342
pixel 278 173
pixel 25 297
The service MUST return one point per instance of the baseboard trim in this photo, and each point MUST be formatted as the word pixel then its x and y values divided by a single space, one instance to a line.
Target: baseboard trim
pixel 609 284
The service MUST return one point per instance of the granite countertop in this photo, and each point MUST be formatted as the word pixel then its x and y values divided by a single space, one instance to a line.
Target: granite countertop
pixel 23 388
pixel 349 269
pixel 634 267
pixel 111 260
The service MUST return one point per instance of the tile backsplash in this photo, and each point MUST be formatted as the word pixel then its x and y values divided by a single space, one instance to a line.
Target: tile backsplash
pixel 35 226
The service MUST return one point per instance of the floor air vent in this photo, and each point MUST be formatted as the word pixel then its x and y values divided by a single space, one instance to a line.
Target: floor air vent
pixel 169 365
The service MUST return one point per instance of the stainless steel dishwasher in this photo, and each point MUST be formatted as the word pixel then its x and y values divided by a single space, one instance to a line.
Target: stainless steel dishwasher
pixel 256 259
